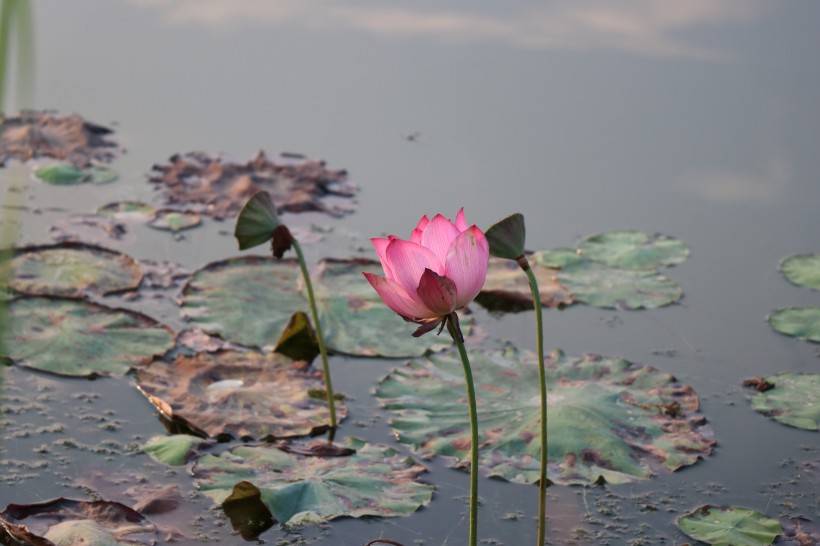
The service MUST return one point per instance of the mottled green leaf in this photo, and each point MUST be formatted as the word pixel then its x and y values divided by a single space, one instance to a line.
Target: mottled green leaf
pixel 73 269
pixel 803 270
pixel 127 210
pixel 101 175
pixel 256 221
pixel 732 526
pixel 602 286
pixel 174 220
pixel 375 481
pixel 791 398
pixel 250 301
pixel 608 418
pixel 633 249
pixel 61 174
pixel 79 338
pixel 174 450
pixel 239 394
pixel 557 258
pixel 800 322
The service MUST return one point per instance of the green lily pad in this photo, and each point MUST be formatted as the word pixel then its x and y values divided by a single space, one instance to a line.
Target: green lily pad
pixel 607 287
pixel 174 220
pixel 507 287
pixel 633 249
pixel 78 338
pixel 245 395
pixel 791 398
pixel 375 481
pixel 609 419
pixel 800 322
pixel 250 301
pixel 61 174
pixel 174 450
pixel 72 522
pixel 73 269
pixel 730 526
pixel 803 270
pixel 127 210
pixel 101 175
pixel 557 258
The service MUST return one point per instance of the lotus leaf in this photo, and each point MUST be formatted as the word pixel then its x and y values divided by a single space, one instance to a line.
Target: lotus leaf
pixel 73 269
pixel 803 270
pixel 67 522
pixel 61 174
pixel 557 258
pixel 239 394
pixel 731 526
pixel 174 450
pixel 602 286
pixel 101 175
pixel 793 399
pixel 250 301
pixel 128 210
pixel 800 322
pixel 633 249
pixel 609 419
pixel 79 338
pixel 90 228
pixel 214 186
pixel 375 481
pixel 507 287
pixel 174 220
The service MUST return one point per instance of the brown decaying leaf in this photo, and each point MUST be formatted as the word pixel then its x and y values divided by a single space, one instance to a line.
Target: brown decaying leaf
pixel 70 138
pixel 246 395
pixel 217 187
pixel 759 384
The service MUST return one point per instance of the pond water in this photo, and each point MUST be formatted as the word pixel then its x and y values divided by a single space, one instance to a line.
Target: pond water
pixel 699 120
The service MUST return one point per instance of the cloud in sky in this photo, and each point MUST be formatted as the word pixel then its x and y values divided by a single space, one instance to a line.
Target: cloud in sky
pixel 641 27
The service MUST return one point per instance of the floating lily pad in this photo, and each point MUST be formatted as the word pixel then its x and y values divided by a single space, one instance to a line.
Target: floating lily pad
pixel 61 174
pixel 135 211
pixel 602 286
pixel 239 394
pixel 507 287
pixel 101 175
pixel 803 270
pixel 68 522
pixel 35 134
pixel 214 186
pixel 375 481
pixel 174 220
pixel 792 398
pixel 730 526
pixel 557 258
pixel 174 450
pixel 250 301
pixel 73 269
pixel 79 338
pixel 609 419
pixel 90 229
pixel 633 249
pixel 800 322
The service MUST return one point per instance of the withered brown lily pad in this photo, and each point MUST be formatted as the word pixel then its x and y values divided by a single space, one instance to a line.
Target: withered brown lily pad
pixel 90 229
pixel 68 521
pixel 215 186
pixel 246 395
pixel 507 287
pixel 70 138
pixel 73 270
pixel 609 419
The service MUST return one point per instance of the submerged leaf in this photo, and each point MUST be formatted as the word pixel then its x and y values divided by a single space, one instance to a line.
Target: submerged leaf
pixel 730 526
pixel 803 270
pixel 73 269
pixel 375 481
pixel 79 338
pixel 800 322
pixel 792 398
pixel 239 394
pixel 608 418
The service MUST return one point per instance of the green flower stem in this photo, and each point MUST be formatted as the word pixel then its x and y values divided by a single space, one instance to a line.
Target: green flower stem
pixel 542 377
pixel 452 327
pixel 331 400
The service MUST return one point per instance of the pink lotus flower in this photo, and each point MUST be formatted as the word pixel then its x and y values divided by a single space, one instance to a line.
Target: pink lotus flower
pixel 440 269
